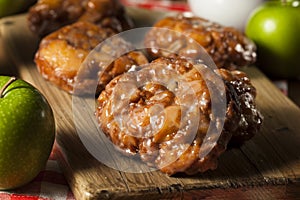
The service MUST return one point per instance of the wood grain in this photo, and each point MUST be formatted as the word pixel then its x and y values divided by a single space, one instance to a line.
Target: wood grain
pixel 267 167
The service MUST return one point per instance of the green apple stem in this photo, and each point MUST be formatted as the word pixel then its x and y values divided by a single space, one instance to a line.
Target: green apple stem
pixel 12 79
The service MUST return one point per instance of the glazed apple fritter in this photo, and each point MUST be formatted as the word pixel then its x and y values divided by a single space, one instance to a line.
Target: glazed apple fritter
pixel 228 47
pixel 159 134
pixel 47 16
pixel 61 54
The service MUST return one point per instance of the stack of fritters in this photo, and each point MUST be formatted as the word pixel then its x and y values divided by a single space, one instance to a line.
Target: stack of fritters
pixel 153 121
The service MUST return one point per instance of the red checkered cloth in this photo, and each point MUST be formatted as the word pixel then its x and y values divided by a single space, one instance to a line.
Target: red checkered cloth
pixel 50 184
pixel 158 5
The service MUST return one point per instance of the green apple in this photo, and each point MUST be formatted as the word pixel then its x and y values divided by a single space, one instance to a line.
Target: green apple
pixel 27 132
pixel 275 28
pixel 8 7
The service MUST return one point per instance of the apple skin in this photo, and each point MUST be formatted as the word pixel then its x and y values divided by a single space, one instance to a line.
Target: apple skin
pixel 275 29
pixel 27 133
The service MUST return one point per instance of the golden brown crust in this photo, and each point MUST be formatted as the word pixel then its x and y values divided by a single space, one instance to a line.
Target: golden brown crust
pixel 171 146
pixel 228 47
pixel 47 16
pixel 61 54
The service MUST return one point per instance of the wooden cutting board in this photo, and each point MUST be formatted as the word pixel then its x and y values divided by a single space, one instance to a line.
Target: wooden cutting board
pixel 267 167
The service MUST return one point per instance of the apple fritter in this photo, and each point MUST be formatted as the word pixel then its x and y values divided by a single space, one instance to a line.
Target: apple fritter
pixel 187 35
pixel 47 16
pixel 61 54
pixel 166 121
